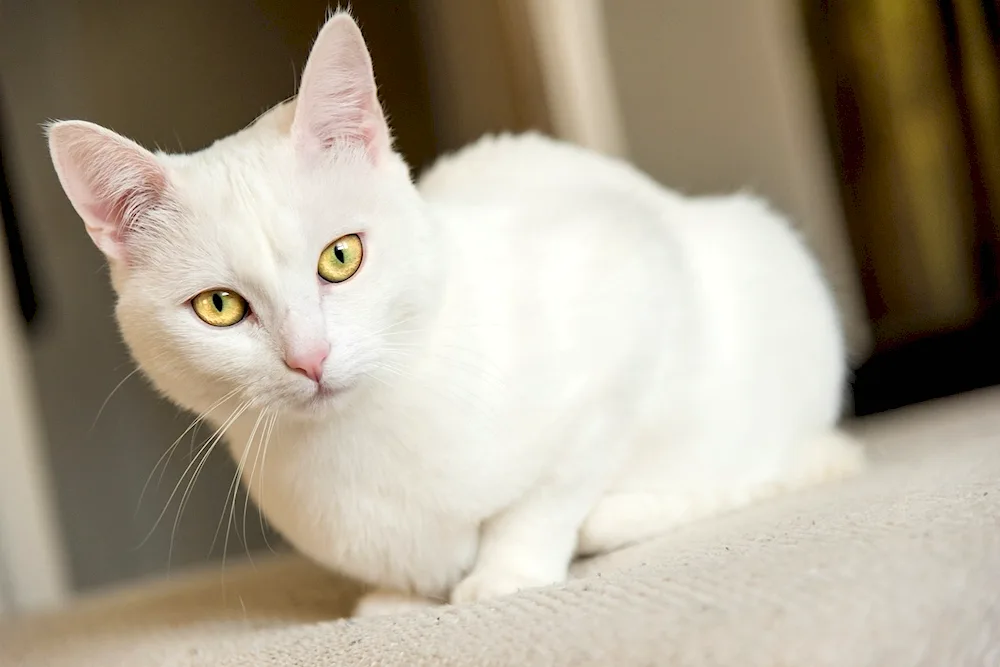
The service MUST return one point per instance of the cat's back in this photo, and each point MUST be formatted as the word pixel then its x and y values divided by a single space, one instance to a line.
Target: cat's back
pixel 727 265
pixel 528 167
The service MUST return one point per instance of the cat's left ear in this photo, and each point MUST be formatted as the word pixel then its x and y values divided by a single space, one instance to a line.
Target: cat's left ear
pixel 115 185
pixel 337 104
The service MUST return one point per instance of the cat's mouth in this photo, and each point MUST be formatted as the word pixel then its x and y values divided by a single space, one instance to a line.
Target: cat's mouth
pixel 324 392
pixel 319 400
pixel 323 397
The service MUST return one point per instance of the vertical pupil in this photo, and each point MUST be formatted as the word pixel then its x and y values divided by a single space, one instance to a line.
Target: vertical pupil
pixel 338 252
pixel 217 301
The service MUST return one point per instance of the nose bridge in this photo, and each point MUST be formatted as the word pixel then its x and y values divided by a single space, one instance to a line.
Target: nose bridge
pixel 303 336
pixel 302 324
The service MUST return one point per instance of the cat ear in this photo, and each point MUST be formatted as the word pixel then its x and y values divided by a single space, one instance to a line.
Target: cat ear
pixel 112 182
pixel 337 102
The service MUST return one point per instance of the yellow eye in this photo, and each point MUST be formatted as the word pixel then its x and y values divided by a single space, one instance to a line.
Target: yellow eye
pixel 341 259
pixel 219 307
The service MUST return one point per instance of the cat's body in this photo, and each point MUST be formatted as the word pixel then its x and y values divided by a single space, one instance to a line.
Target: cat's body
pixel 543 352
pixel 584 335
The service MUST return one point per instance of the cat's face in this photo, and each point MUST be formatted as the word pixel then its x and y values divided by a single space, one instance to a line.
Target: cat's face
pixel 271 266
pixel 279 279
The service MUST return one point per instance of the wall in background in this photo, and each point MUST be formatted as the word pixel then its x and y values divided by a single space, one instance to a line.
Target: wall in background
pixel 483 73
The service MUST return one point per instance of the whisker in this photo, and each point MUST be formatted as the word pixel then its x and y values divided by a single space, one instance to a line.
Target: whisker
pixel 215 537
pixel 169 451
pixel 234 491
pixel 263 466
pixel 118 386
pixel 174 492
pixel 215 440
pixel 390 327
pixel 253 471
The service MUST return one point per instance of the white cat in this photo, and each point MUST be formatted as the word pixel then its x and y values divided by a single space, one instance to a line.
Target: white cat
pixel 535 353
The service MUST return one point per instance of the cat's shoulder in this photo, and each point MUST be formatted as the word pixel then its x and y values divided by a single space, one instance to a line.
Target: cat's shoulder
pixel 504 146
pixel 497 155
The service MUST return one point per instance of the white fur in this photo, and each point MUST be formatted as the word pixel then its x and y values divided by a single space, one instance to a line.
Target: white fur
pixel 543 353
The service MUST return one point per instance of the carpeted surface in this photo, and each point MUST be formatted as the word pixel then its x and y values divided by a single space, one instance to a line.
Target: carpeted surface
pixel 898 567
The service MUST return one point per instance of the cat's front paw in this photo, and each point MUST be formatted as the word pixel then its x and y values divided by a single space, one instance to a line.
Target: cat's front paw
pixel 389 603
pixel 485 584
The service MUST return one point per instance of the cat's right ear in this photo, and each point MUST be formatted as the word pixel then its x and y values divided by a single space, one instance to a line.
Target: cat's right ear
pixel 337 104
pixel 112 182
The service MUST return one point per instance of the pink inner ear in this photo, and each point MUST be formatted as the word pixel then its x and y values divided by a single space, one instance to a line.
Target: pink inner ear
pixel 338 103
pixel 123 209
pixel 362 133
pixel 112 182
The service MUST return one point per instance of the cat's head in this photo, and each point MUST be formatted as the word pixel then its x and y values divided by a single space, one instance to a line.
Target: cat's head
pixel 270 265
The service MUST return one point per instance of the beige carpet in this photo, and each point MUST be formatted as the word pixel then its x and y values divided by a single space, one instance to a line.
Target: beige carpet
pixel 898 567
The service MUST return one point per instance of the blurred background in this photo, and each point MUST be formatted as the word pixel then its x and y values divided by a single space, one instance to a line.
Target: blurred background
pixel 873 123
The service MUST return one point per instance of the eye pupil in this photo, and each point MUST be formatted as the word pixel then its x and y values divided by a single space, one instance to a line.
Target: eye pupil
pixel 341 259
pixel 220 307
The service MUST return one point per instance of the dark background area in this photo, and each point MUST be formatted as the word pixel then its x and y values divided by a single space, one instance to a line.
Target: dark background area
pixel 910 94
pixel 19 263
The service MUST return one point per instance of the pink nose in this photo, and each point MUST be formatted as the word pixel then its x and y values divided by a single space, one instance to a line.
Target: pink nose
pixel 308 361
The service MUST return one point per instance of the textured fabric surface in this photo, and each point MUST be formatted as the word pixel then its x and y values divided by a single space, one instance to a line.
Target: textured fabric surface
pixel 900 566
